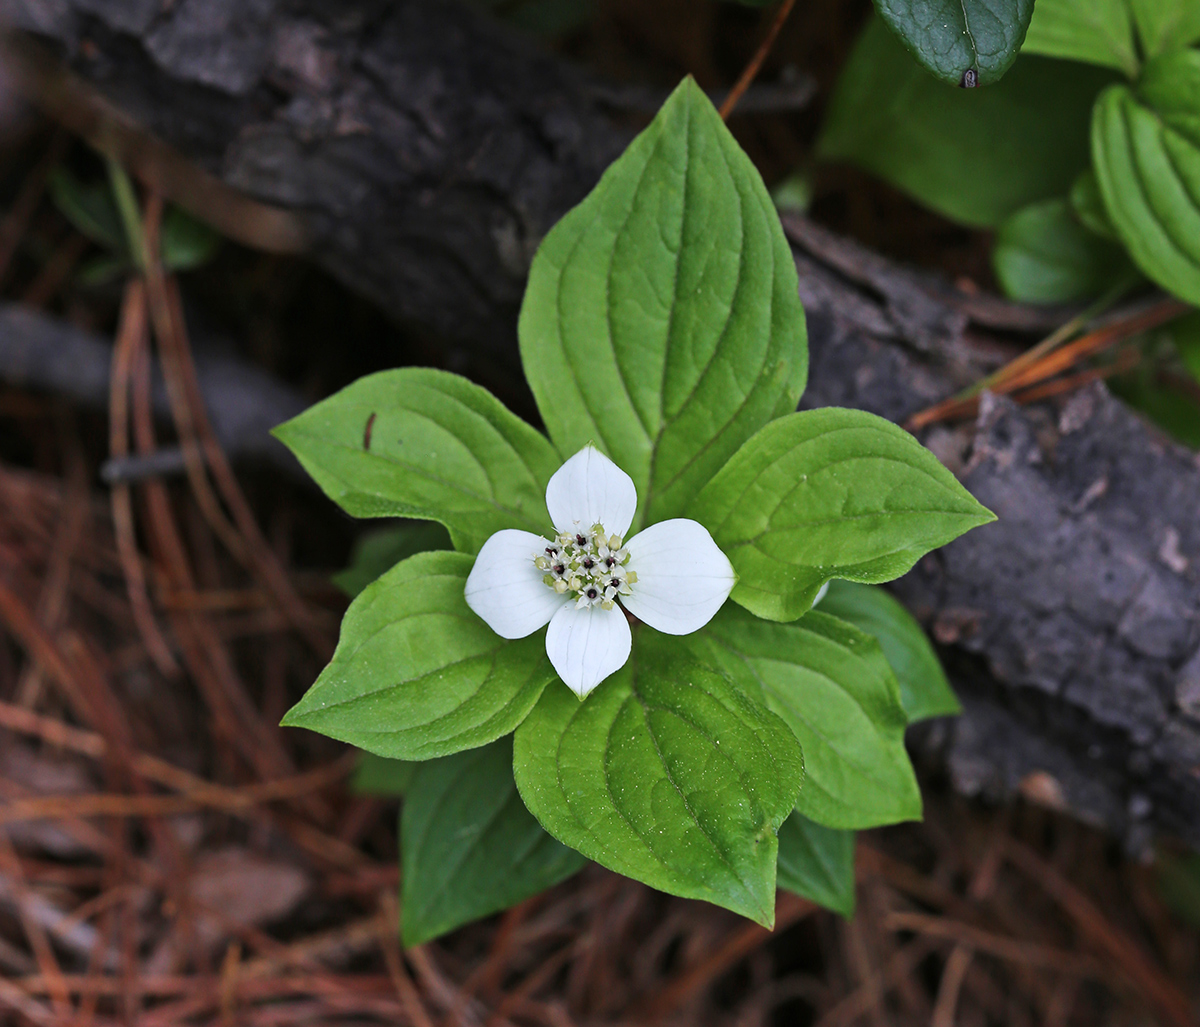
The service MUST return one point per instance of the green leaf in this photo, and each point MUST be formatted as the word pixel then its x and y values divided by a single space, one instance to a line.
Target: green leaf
pixel 662 320
pixel 1185 335
pixel 468 845
pixel 974 155
pixel 817 863
pixel 1146 152
pixel 421 443
pixel 379 551
pixel 377 775
pixel 924 690
pixel 1179 885
pixel 1165 25
pixel 1088 205
pixel 1095 31
pixel 667 773
pixel 417 674
pixel 186 243
pixel 1043 254
pixel 832 685
pixel 1175 412
pixel 824 494
pixel 101 269
pixel 952 37
pixel 90 208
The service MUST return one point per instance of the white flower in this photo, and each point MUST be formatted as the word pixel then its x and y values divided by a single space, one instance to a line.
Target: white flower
pixel 671 575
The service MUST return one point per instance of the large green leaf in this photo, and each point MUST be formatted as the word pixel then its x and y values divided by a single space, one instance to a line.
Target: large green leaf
pixel 924 690
pixel 667 773
pixel 468 845
pixel 421 443
pixel 1044 254
pixel 975 155
pixel 1146 152
pixel 416 674
pixel 1096 31
pixel 662 320
pixel 1165 25
pixel 817 863
pixel 955 37
pixel 833 686
pixel 824 494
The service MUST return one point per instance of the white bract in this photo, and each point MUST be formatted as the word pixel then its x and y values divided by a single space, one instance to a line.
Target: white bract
pixel 671 575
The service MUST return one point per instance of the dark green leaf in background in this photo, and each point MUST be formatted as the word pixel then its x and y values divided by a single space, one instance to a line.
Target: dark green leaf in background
pixel 421 443
pixel 667 773
pixel 662 320
pixel 90 208
pixel 417 674
pixel 974 155
pixel 1044 254
pixel 1173 410
pixel 1165 25
pixel 1096 31
pixel 186 242
pixel 829 493
pixel 1146 153
pixel 1179 885
pixel 952 37
pixel 1088 205
pixel 468 845
pixel 378 551
pixel 832 685
pixel 817 863
pixel 924 690
pixel 378 775
pixel 1185 336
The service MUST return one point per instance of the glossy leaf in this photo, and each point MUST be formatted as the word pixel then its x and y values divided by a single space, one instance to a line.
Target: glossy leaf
pixel 974 155
pixel 817 863
pixel 668 774
pixel 824 494
pixel 468 845
pixel 378 551
pixel 832 685
pixel 924 689
pixel 662 321
pixel 1146 152
pixel 421 443
pixel 952 38
pixel 377 775
pixel 1044 254
pixel 1096 31
pixel 416 674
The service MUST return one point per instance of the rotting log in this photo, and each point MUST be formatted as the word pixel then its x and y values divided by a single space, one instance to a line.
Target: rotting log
pixel 422 152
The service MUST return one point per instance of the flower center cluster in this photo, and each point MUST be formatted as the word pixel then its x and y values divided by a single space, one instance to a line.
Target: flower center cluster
pixel 591 566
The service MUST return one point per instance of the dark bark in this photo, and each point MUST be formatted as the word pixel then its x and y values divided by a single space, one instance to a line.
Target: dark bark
pixel 429 152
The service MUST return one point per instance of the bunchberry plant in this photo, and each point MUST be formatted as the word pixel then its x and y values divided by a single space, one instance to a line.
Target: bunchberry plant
pixel 569 682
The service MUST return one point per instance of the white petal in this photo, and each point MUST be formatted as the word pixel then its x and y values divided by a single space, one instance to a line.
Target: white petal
pixel 506 589
pixel 821 593
pixel 587 645
pixel 682 577
pixel 590 488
